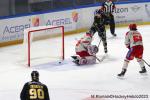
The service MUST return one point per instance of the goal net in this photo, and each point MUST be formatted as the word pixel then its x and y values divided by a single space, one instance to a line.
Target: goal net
pixel 44 44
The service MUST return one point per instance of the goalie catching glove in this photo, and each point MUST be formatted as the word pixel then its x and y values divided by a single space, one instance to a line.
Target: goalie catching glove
pixel 92 49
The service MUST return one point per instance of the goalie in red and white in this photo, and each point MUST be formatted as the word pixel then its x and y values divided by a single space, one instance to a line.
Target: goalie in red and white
pixel 85 51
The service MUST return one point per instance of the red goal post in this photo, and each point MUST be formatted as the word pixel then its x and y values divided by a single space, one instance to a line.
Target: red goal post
pixel 30 31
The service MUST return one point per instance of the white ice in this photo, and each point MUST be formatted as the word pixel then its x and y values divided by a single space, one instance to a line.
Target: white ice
pixel 66 81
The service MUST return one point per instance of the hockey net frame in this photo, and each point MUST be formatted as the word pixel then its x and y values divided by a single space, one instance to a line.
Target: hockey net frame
pixel 30 31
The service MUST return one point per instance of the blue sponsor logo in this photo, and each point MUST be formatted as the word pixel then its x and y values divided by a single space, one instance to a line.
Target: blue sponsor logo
pixel 58 22
pixel 15 29
pixel 121 10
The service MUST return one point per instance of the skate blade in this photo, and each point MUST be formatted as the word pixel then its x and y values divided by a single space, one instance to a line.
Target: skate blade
pixel 144 74
pixel 76 63
pixel 120 77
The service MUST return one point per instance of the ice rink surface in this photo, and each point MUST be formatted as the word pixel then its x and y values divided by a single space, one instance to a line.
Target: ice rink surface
pixel 66 81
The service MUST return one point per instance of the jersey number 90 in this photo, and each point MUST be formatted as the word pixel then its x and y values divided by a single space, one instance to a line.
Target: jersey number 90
pixel 36 93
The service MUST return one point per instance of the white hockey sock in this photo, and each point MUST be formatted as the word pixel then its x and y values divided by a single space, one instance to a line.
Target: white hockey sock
pixel 141 62
pixel 125 64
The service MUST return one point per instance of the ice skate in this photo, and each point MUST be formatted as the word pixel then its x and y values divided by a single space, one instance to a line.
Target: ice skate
pixel 105 50
pixel 143 70
pixel 122 73
pixel 74 57
pixel 114 34
pixel 76 62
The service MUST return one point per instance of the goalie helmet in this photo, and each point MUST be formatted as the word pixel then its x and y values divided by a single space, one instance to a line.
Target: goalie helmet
pixel 35 76
pixel 133 27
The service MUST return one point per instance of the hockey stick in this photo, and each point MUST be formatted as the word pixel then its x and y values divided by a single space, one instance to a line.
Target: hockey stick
pixel 97 58
pixel 146 63
pixel 99 43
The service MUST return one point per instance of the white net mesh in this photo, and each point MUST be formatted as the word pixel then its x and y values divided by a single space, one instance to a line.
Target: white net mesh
pixel 44 44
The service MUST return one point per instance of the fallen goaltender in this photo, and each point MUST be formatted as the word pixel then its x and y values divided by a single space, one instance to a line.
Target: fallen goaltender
pixel 85 51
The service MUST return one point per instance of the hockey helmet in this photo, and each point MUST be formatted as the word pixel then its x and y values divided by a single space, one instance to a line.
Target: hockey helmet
pixel 35 76
pixel 133 27
pixel 89 34
pixel 98 11
pixel 108 0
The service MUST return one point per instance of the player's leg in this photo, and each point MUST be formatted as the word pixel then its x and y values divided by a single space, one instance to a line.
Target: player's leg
pixel 86 57
pixel 79 58
pixel 92 30
pixel 124 68
pixel 112 26
pixel 141 63
pixel 138 56
pixel 87 60
pixel 102 35
pixel 129 56
pixel 90 59
pixel 105 45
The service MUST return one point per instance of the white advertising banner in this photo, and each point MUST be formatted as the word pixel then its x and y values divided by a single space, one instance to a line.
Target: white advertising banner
pixel 135 12
pixel 12 29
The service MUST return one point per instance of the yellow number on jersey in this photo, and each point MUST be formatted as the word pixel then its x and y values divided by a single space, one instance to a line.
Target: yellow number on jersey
pixel 36 94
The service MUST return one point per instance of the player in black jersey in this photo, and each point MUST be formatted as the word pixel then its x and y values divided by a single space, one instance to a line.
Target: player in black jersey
pixel 99 26
pixel 108 8
pixel 34 90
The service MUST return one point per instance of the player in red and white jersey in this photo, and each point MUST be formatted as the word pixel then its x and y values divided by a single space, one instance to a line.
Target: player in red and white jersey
pixel 133 41
pixel 85 51
pixel 81 46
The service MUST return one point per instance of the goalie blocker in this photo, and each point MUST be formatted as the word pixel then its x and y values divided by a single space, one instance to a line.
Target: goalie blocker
pixel 85 52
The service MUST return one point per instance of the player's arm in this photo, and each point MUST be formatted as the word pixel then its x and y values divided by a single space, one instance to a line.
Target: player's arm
pixel 103 7
pixel 23 92
pixel 46 93
pixel 127 40
pixel 113 7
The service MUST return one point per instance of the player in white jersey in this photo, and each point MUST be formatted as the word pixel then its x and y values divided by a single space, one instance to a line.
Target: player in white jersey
pixel 133 41
pixel 85 51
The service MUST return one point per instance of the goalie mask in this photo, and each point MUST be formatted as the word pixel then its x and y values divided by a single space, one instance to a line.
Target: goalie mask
pixel 92 49
pixel 35 76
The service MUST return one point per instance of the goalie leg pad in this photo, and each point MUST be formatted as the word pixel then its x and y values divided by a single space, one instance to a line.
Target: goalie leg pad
pixel 84 60
pixel 91 60
pixel 87 60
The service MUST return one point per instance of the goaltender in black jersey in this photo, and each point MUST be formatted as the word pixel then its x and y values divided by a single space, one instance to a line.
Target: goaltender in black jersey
pixel 34 90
